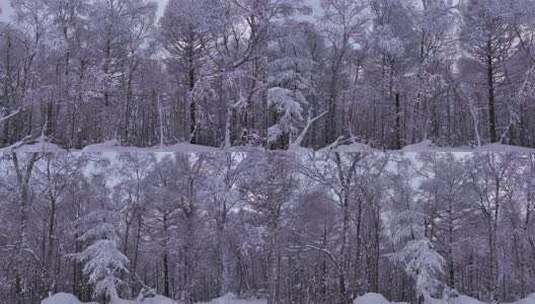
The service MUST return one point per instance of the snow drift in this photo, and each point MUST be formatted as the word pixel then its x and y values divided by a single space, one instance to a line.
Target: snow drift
pixel 67 298
pixel 233 299
pixel 373 298
pixel 528 300
pixel 63 298
pixel 369 298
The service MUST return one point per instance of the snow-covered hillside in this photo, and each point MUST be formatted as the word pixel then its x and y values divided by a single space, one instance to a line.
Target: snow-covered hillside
pixel 41 145
pixel 65 298
pixel 369 298
pixel 44 146
pixel 428 146
pixel 232 299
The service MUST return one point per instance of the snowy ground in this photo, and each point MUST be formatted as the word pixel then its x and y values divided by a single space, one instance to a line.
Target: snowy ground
pixel 65 298
pixel 41 145
pixel 44 146
pixel 373 298
pixel 428 146
pixel 369 298
pixel 231 299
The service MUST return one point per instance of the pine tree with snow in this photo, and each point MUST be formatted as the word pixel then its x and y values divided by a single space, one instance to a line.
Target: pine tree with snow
pixel 103 260
pixel 417 254
pixel 424 265
pixel 287 106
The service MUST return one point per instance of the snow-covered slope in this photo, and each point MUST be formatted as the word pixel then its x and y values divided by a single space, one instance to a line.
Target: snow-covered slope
pixel 158 300
pixel 373 298
pixel 428 146
pixel 67 298
pixel 155 300
pixel 42 145
pixel 528 300
pixel 461 299
pixel 114 146
pixel 63 298
pixel 39 145
pixel 232 299
pixel 369 298
pixel 354 147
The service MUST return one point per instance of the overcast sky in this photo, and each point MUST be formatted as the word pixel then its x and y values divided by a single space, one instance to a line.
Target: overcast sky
pixel 6 9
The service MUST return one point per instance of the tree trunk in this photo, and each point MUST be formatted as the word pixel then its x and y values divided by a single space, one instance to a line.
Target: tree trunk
pixel 398 139
pixel 491 100
pixel 451 264
pixel 273 296
pixel 189 259
pixel 23 179
pixel 165 258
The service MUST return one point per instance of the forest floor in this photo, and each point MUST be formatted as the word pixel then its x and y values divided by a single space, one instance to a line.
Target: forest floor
pixel 369 298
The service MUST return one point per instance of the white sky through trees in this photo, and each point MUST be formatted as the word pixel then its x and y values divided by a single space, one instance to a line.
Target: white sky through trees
pixel 6 11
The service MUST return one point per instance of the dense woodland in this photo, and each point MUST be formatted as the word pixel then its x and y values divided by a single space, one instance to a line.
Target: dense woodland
pixel 277 73
pixel 295 228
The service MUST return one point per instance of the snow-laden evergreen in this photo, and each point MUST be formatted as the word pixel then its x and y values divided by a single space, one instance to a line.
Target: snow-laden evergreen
pixel 103 262
pixel 424 265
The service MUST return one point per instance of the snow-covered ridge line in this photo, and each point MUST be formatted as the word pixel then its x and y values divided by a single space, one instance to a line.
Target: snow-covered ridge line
pixel 42 145
pixel 375 298
pixel 67 298
pixel 428 146
pixel 369 298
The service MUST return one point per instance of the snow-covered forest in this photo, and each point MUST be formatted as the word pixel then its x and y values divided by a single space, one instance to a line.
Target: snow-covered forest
pixel 287 227
pixel 272 73
pixel 267 151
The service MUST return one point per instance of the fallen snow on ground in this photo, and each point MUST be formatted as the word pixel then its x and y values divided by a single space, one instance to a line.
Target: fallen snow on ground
pixel 63 298
pixel 354 147
pixel 158 300
pixel 232 299
pixel 115 146
pixel 39 145
pixel 66 298
pixel 461 299
pixel 373 298
pixel 121 301
pixel 42 145
pixel 369 298
pixel 428 146
pixel 528 300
